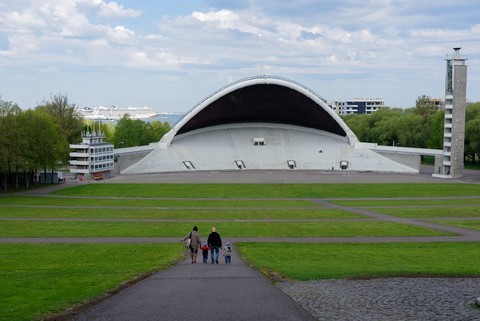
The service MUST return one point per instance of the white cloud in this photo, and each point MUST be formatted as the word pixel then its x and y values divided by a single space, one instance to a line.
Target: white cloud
pixel 114 10
pixel 65 29
pixel 120 35
pixel 228 20
pixel 281 43
pixel 341 40
pixel 20 21
pixel 350 51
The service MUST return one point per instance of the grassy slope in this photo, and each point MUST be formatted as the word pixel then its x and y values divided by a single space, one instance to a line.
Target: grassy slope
pixel 227 229
pixel 326 261
pixel 42 265
pixel 175 213
pixel 38 279
pixel 274 190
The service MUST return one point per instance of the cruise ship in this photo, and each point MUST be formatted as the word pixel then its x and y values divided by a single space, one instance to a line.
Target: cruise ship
pixel 115 113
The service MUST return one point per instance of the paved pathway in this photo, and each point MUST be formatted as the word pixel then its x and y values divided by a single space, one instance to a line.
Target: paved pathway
pixel 468 234
pixel 237 292
pixel 200 292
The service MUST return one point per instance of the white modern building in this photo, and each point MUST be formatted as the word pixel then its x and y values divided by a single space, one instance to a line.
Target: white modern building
pixel 116 113
pixel 267 122
pixel 357 105
pixel 92 158
pixel 438 102
pixel 454 121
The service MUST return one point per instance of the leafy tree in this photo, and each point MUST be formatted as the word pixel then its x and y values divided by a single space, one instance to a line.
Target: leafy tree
pixel 8 107
pixel 387 130
pixel 412 131
pixel 472 139
pixel 435 130
pixel 472 111
pixel 472 131
pixel 140 134
pixel 129 132
pixel 379 127
pixel 31 141
pixel 159 129
pixel 67 118
pixel 105 128
pixel 44 141
pixel 121 137
pixel 425 107
pixel 360 125
pixel 4 152
pixel 108 130
pixel 11 142
pixel 394 126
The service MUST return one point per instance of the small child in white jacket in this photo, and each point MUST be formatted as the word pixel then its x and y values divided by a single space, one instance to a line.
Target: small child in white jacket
pixel 227 253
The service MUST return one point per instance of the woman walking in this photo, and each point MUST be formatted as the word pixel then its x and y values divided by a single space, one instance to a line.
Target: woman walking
pixel 195 243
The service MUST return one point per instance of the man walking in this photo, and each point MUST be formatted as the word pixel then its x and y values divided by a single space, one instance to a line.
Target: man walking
pixel 215 243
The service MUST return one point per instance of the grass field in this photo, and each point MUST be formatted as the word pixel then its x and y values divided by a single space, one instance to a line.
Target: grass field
pixel 474 225
pixel 40 279
pixel 273 190
pixel 228 229
pixel 409 202
pixel 145 202
pixel 37 279
pixel 175 213
pixel 432 212
pixel 335 261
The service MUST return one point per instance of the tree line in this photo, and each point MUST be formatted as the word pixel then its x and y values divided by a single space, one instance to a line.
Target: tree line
pixel 420 126
pixel 36 141
pixel 134 132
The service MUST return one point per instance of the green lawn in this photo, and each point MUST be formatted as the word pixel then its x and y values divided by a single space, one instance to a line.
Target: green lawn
pixel 29 228
pixel 145 202
pixel 274 190
pixel 409 202
pixel 40 279
pixel 175 213
pixel 335 261
pixel 431 212
pixel 474 225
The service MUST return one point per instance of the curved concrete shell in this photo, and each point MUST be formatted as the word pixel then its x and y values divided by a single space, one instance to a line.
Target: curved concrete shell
pixel 263 122
pixel 263 99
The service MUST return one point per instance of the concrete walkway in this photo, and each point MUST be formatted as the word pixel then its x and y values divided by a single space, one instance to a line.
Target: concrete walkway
pixel 200 292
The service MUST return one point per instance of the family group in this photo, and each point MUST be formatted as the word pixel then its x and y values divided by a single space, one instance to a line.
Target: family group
pixel 213 245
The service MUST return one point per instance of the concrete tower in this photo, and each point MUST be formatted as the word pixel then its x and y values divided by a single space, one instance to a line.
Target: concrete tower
pixel 454 123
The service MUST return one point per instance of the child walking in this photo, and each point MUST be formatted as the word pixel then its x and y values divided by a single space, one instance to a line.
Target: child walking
pixel 227 253
pixel 205 248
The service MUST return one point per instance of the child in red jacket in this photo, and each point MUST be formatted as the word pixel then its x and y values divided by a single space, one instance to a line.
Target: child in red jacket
pixel 205 248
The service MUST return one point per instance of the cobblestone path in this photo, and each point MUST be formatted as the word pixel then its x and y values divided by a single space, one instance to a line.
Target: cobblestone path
pixel 391 299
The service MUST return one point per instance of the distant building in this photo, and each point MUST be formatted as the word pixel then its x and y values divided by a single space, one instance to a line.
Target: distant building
pixel 116 113
pixel 439 102
pixel 425 101
pixel 357 105
pixel 454 121
pixel 92 158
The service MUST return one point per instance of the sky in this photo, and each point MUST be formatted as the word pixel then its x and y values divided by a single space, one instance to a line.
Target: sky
pixel 170 55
